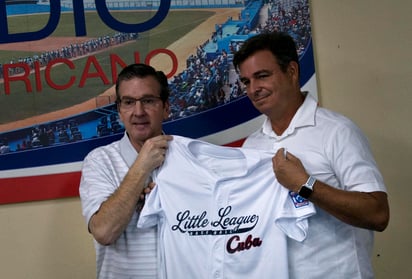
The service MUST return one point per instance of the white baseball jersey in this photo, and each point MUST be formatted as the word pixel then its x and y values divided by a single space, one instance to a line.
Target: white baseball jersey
pixel 221 213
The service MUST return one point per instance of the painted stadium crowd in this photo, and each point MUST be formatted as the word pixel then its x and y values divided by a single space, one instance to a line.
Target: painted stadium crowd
pixel 200 86
pixel 71 51
pixel 63 131
pixel 295 21
pixel 206 82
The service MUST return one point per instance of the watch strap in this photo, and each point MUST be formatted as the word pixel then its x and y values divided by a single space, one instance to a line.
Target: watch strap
pixel 307 188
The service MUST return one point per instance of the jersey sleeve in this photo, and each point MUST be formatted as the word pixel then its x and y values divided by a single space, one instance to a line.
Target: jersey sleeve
pixel 149 216
pixel 293 215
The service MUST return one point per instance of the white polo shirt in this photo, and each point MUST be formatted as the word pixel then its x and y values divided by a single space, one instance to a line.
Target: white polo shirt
pixel 333 150
pixel 222 213
pixel 134 254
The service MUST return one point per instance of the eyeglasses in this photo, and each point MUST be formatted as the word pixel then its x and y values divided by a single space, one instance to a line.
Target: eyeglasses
pixel 147 102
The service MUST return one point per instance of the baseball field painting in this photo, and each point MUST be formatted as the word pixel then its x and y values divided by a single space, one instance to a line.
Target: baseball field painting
pixel 59 60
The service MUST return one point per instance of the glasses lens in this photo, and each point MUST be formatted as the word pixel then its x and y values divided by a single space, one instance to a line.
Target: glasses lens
pixel 146 102
pixel 127 103
pixel 149 102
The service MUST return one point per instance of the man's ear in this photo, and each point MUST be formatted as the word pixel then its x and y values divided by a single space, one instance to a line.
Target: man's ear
pixel 166 110
pixel 293 69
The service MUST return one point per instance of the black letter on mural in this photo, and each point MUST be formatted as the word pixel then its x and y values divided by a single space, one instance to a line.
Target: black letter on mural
pixel 113 23
pixel 79 19
pixel 51 25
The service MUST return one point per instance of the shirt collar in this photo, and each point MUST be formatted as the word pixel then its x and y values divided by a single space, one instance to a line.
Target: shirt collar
pixel 127 150
pixel 304 116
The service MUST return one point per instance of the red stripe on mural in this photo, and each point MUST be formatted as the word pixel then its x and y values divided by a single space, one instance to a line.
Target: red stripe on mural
pixel 41 187
pixel 237 143
pixel 46 187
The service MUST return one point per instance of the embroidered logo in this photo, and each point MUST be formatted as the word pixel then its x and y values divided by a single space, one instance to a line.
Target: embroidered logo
pixel 225 224
pixel 297 200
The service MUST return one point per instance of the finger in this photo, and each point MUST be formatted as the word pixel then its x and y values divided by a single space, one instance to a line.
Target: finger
pixel 163 138
pixel 151 185
pixel 280 154
pixel 290 157
pixel 149 188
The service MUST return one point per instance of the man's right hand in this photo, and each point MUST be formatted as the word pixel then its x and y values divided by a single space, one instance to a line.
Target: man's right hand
pixel 153 152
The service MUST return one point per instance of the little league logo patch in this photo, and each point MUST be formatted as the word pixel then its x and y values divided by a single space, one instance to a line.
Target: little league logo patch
pixel 298 201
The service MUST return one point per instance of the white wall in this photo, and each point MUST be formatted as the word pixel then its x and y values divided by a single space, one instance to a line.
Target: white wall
pixel 363 55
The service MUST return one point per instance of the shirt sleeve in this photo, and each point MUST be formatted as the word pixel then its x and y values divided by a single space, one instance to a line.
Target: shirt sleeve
pixel 352 160
pixel 95 185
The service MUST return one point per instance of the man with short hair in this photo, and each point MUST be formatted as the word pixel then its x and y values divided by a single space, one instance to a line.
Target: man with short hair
pixel 114 177
pixel 327 160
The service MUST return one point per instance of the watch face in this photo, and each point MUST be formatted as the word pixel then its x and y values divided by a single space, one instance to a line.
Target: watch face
pixel 305 192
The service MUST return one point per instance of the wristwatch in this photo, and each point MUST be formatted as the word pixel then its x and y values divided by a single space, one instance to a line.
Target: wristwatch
pixel 307 188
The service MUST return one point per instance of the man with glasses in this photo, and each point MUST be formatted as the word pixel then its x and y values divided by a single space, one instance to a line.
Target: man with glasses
pixel 114 177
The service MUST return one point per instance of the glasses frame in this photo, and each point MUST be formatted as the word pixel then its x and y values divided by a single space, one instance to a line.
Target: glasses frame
pixel 147 102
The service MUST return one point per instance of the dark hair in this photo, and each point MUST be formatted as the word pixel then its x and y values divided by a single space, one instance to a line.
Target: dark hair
pixel 140 71
pixel 280 44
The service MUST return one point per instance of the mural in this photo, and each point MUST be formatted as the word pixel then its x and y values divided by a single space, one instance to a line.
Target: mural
pixel 59 61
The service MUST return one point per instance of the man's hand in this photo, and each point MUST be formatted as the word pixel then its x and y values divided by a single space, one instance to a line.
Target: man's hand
pixel 142 197
pixel 289 170
pixel 153 152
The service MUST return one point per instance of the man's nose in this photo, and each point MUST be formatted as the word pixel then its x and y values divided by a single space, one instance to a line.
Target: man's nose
pixel 254 86
pixel 138 108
